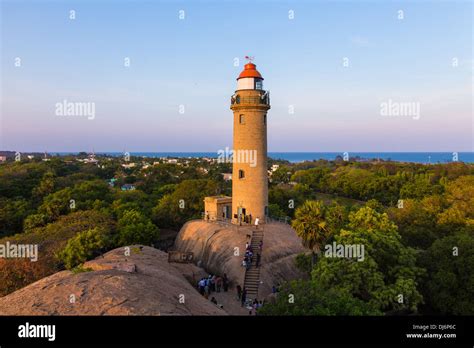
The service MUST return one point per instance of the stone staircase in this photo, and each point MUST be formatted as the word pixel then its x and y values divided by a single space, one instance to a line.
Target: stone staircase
pixel 252 275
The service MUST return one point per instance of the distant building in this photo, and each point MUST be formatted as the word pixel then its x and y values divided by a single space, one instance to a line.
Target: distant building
pixel 91 160
pixel 227 176
pixel 3 158
pixel 129 165
pixel 274 167
pixel 128 187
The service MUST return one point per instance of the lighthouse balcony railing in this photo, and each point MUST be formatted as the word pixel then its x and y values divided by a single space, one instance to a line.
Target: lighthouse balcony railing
pixel 263 99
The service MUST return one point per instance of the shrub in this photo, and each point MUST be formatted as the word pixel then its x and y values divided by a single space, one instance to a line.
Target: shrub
pixel 135 228
pixel 84 246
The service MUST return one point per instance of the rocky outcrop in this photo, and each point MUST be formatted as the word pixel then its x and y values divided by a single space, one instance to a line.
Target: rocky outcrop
pixel 142 283
pixel 219 248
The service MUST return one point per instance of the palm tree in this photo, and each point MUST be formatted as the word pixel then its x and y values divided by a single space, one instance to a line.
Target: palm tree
pixel 311 227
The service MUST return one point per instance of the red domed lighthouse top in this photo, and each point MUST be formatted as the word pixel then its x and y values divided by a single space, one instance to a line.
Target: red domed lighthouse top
pixel 250 71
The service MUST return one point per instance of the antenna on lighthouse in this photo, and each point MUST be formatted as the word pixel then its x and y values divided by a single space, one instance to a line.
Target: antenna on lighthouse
pixel 249 58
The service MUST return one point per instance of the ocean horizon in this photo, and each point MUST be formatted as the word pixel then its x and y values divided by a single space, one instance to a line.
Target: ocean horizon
pixel 295 157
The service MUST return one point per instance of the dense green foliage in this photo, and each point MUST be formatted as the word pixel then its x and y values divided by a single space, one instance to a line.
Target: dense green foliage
pixel 416 223
pixel 308 298
pixel 84 246
pixel 387 271
pixel 134 227
pixel 412 218
pixel 184 203
pixel 449 261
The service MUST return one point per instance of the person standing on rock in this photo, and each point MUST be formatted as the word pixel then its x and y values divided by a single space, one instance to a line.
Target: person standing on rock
pixel 243 297
pixel 213 283
pixel 225 282
pixel 218 284
pixel 202 285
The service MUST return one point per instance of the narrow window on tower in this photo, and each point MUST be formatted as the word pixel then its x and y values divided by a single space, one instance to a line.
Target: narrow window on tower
pixel 241 119
pixel 241 174
pixel 265 119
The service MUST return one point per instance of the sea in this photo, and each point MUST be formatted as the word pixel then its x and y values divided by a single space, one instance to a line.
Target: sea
pixel 295 157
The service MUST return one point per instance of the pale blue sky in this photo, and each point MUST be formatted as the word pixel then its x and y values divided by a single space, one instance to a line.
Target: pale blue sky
pixel 190 62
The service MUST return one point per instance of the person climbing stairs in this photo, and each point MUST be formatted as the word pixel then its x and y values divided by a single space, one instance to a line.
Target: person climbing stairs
pixel 252 274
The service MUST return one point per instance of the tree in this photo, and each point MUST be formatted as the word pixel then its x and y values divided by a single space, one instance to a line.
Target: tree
pixel 84 246
pixel 386 276
pixel 56 204
pixel 34 221
pixel 336 217
pixel 310 225
pixel 416 221
pixel 449 287
pixel 281 175
pixel 275 211
pixel 85 194
pixel 12 213
pixel 185 203
pixel 460 199
pixel 309 298
pixel 135 228
pixel 51 239
pixel 375 205
pixel 45 186
pixel 131 200
pixel 315 178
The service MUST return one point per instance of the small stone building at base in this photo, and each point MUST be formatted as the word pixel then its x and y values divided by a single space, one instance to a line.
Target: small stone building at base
pixel 217 208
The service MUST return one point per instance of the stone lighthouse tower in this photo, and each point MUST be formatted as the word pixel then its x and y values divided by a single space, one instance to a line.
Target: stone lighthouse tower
pixel 250 104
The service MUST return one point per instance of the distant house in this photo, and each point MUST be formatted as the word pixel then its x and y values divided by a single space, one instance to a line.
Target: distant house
pixel 227 176
pixel 3 158
pixel 128 187
pixel 128 165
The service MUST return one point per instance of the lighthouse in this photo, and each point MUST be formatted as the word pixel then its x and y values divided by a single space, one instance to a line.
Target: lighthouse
pixel 250 104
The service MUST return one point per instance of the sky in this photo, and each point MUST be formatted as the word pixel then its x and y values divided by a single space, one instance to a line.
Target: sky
pixel 330 67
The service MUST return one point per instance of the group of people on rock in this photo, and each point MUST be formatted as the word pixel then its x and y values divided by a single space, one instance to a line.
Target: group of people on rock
pixel 213 283
pixel 251 306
